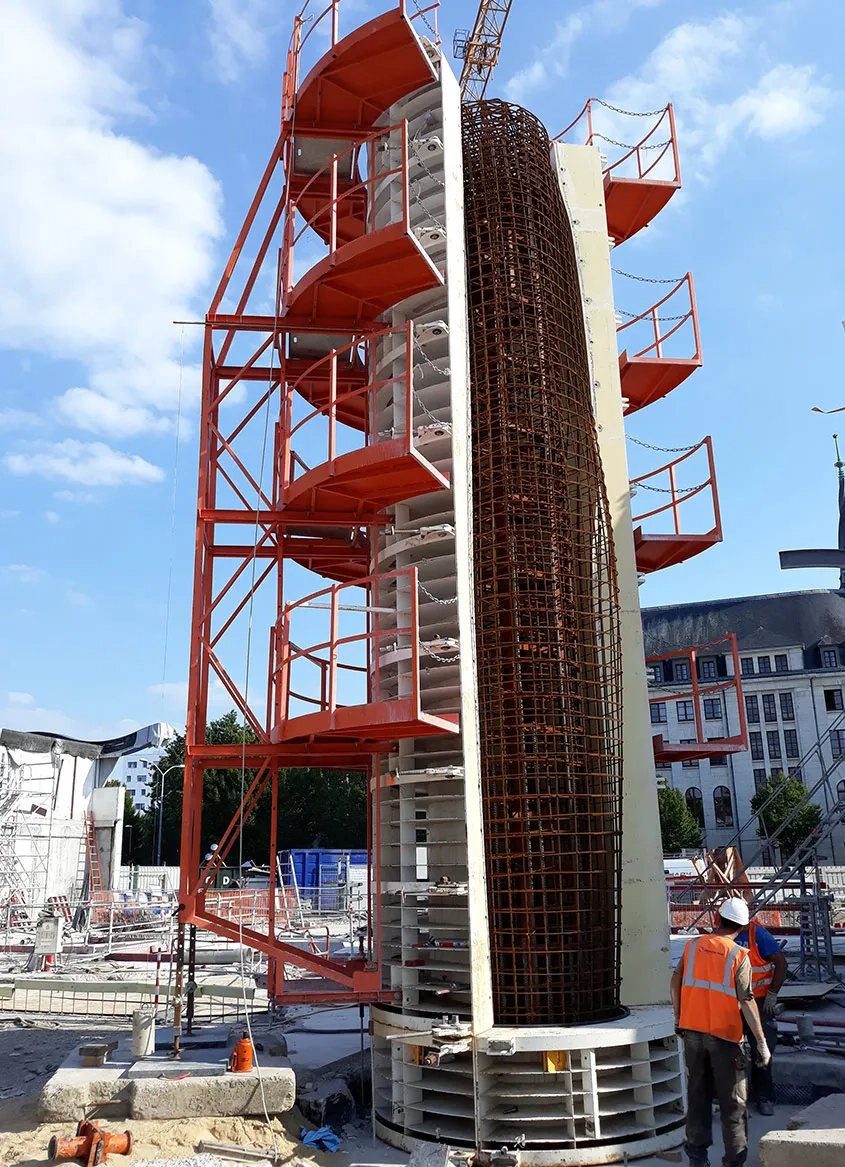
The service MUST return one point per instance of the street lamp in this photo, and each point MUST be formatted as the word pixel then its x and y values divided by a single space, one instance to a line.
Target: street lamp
pixel 162 775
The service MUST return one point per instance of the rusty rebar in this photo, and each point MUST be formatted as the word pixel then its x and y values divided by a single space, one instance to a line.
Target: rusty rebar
pixel 547 627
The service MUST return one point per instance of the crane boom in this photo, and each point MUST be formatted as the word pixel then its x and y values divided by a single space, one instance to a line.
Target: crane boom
pixel 480 48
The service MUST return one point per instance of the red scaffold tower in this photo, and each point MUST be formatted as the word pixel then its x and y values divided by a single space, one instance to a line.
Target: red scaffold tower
pixel 295 481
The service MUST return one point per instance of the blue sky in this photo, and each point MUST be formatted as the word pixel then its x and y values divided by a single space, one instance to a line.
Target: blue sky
pixel 139 131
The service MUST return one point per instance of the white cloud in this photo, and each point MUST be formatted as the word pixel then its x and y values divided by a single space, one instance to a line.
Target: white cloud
pixel 704 68
pixel 238 31
pixel 175 695
pixel 20 698
pixel 51 516
pixel 19 419
pixel 87 463
pixel 78 599
pixel 601 16
pixel 88 410
pixel 35 719
pixel 80 496
pixel 25 574
pixel 10 514
pixel 103 240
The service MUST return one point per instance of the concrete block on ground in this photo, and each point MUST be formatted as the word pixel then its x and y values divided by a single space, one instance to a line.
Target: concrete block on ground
pixel 438 1155
pixel 75 1088
pixel 327 1102
pixel 816 1136
pixel 206 1097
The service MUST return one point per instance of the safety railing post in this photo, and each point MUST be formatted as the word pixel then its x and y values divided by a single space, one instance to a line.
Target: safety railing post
pixel 332 407
pixel 405 178
pixel 655 322
pixel 335 14
pixel 676 512
pixel 590 122
pixel 333 208
pixel 333 634
pixel 711 467
pixel 670 109
pixel 694 316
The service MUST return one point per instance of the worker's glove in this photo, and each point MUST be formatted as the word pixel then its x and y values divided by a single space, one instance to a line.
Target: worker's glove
pixel 763 1055
pixel 769 1006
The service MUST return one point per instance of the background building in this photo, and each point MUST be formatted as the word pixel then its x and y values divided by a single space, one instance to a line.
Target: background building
pixel 793 685
pixel 133 771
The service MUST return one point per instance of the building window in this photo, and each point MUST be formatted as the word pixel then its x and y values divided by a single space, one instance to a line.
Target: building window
pixel 781 663
pixel 830 658
pixel 131 765
pixel 654 674
pixel 752 708
pixel 723 807
pixel 787 708
pixel 833 700
pixel 790 742
pixel 746 666
pixel 707 670
pixel 837 742
pixel 684 711
pixel 840 790
pixel 770 712
pixel 712 709
pixel 658 712
pixel 718 759
pixel 681 670
pixel 760 779
pixel 795 772
pixel 773 743
pixel 663 765
pixel 691 763
pixel 755 741
pixel 764 664
pixel 695 804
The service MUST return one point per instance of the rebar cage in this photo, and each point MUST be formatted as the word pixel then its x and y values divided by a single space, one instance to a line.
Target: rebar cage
pixel 547 624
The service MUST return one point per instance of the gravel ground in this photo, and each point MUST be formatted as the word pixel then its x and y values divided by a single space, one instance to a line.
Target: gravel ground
pixel 32 1047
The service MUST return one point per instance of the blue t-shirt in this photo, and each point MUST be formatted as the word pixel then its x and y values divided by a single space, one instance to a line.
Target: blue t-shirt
pixel 766 943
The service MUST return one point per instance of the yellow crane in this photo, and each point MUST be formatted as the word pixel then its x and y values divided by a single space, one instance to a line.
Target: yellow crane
pixel 479 49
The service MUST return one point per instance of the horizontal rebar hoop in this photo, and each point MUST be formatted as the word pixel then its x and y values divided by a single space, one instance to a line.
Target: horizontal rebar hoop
pixel 547 630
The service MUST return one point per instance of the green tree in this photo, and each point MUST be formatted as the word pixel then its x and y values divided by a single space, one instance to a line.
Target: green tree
pixel 317 808
pixel 788 794
pixel 678 826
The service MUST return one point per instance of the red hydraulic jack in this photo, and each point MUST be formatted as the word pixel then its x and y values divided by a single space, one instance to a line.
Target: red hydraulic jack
pixel 92 1145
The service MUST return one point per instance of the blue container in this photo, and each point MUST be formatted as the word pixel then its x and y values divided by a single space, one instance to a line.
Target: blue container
pixel 320 873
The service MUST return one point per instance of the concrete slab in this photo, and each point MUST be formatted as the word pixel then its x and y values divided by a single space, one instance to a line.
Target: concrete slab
pixel 154 1088
pixel 816 1136
pixel 234 1094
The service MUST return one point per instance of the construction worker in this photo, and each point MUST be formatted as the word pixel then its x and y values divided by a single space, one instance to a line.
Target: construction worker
pixel 768 972
pixel 711 995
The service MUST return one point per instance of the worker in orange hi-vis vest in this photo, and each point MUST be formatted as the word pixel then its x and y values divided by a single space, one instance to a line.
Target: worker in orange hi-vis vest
pixel 768 972
pixel 712 995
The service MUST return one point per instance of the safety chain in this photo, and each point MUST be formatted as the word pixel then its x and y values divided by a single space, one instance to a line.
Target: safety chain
pixel 425 20
pixel 649 113
pixel 436 599
pixel 447 425
pixel 415 196
pixel 644 316
pixel 662 449
pixel 428 361
pixel 669 489
pixel 636 146
pixel 645 279
pixel 423 166
pixel 448 660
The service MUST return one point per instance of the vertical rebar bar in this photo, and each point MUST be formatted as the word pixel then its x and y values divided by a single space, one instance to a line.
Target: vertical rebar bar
pixel 547 624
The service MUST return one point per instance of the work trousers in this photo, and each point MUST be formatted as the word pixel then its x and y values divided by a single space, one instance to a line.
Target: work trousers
pixel 716 1069
pixel 761 1086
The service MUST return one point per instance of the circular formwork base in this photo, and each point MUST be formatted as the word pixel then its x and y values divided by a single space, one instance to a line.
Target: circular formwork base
pixel 551 1095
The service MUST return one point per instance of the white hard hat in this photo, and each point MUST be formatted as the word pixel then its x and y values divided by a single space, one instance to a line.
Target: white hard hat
pixel 736 910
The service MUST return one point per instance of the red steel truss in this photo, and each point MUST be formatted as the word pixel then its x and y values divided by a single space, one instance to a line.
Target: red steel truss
pixel 294 479
pixel 693 690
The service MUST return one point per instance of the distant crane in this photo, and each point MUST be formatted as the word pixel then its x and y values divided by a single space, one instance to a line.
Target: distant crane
pixel 479 50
